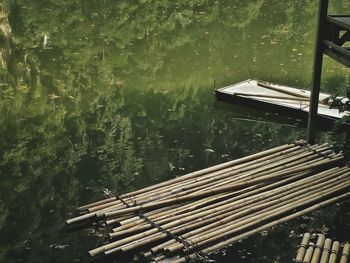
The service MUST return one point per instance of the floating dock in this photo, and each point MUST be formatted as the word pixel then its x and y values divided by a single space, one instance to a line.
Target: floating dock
pixel 191 216
pixel 279 98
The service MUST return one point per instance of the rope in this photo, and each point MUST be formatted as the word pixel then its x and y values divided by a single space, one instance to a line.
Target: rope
pixel 189 246
pixel 307 146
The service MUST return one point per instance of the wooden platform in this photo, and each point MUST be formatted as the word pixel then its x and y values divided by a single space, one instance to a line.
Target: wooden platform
pixel 277 98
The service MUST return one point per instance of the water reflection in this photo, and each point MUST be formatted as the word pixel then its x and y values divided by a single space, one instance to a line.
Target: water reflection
pixel 99 94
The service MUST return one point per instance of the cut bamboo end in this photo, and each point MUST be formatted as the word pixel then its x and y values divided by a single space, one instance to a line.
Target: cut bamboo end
pixel 345 253
pixel 302 249
pixel 104 201
pixel 80 218
pixel 334 252
pixel 309 252
pixel 318 248
pixel 326 250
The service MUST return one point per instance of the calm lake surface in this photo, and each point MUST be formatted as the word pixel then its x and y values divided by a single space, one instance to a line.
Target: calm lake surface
pixel 118 95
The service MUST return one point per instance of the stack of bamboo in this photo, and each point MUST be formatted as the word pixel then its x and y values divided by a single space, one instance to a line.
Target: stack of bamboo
pixel 191 216
pixel 324 251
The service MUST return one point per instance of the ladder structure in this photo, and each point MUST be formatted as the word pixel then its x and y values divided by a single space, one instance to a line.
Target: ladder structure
pixel 332 37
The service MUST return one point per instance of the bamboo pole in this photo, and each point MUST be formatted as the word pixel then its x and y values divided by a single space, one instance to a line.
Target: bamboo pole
pixel 89 216
pixel 281 90
pixel 211 169
pixel 334 252
pixel 304 190
pixel 216 203
pixel 243 224
pixel 234 239
pixel 132 246
pixel 326 250
pixel 295 161
pixel 135 221
pixel 345 253
pixel 228 219
pixel 309 253
pixel 241 199
pixel 260 95
pixel 289 163
pixel 231 174
pixel 149 214
pixel 222 189
pixel 217 221
pixel 215 168
pixel 302 248
pixel 318 249
pixel 231 171
pixel 259 210
pixel 102 206
pixel 104 201
pixel 294 189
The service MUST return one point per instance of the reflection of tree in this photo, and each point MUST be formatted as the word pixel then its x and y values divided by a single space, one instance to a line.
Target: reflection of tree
pixel 122 90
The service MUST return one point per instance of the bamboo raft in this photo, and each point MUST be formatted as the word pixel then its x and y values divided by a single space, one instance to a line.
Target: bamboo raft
pixel 194 215
pixel 325 250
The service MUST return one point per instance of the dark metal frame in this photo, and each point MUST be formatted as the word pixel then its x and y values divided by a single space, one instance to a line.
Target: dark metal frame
pixel 329 41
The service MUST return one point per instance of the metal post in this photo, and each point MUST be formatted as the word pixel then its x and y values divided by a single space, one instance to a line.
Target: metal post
pixel 317 70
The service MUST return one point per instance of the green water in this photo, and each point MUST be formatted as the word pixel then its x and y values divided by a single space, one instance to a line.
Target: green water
pixel 118 95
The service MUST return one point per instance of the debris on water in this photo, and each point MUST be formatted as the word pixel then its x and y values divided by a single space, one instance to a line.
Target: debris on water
pixel 107 193
pixel 292 234
pixel 259 135
pixel 58 246
pixel 208 150
pixel 45 40
pixel 277 259
pixel 264 233
pixel 306 217
pixel 54 96
pixel 171 166
pixel 304 226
